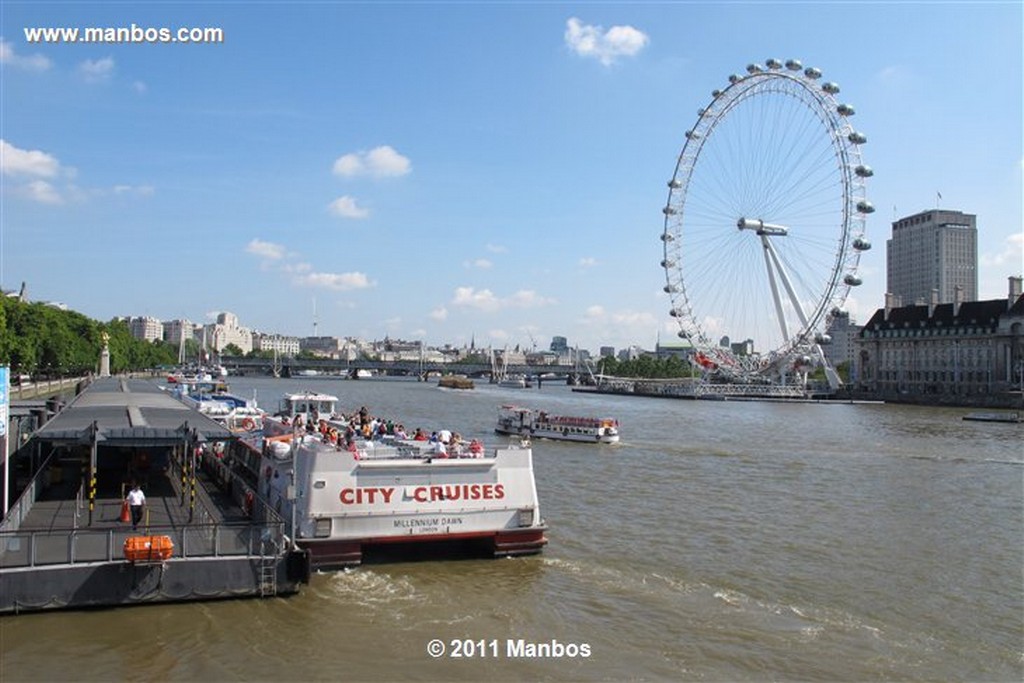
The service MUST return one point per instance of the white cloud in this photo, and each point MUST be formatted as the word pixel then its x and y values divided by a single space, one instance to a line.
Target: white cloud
pixel 96 70
pixel 341 282
pixel 42 192
pixel 266 250
pixel 36 62
pixel 379 162
pixel 1012 254
pixel 604 46
pixel 481 263
pixel 439 313
pixel 485 300
pixel 346 207
pixel 139 190
pixel 496 248
pixel 15 161
pixel 140 87
pixel 588 262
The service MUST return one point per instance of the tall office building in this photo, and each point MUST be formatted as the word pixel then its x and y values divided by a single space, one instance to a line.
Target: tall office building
pixel 934 249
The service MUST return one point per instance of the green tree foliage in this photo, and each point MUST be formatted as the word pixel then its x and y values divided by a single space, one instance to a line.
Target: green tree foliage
pixel 232 350
pixel 38 339
pixel 645 366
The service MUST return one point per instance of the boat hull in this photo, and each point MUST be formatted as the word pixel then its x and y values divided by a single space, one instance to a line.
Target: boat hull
pixel 335 553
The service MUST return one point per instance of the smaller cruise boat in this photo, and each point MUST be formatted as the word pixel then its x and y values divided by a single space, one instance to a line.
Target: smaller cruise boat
pixel 304 406
pixel 526 422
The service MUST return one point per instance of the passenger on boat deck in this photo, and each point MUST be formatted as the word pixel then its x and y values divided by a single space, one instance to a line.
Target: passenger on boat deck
pixel 419 435
pixel 476 448
pixel 400 432
pixel 440 450
pixel 433 437
pixel 382 430
pixel 444 436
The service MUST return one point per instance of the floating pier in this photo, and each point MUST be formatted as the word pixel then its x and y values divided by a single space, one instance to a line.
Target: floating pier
pixel 63 541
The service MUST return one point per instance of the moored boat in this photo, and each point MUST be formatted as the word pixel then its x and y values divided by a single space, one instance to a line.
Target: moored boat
pixel 401 495
pixel 304 406
pixel 526 422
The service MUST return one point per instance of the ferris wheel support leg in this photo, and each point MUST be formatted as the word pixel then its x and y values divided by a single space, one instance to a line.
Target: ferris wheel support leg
pixel 768 253
pixel 834 380
pixel 785 282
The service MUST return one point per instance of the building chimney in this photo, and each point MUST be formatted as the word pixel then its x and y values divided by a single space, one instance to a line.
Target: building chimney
pixel 1015 289
pixel 958 298
pixel 891 302
pixel 933 302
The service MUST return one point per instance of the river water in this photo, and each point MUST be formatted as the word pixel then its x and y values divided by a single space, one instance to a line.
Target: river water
pixel 720 541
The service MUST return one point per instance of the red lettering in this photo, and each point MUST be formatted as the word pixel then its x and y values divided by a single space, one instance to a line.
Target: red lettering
pixel 420 494
pixel 488 491
pixel 368 495
pixel 436 493
pixel 474 492
pixel 499 491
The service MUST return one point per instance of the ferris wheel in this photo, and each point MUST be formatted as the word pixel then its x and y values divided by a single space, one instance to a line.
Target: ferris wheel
pixel 765 222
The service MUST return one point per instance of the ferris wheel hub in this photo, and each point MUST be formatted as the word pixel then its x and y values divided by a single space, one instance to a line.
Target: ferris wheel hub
pixel 762 228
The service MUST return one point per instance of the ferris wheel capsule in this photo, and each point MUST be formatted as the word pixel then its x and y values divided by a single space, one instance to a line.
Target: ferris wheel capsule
pixel 853 280
pixel 812 73
pixel 857 138
pixel 864 206
pixel 845 110
pixel 861 243
pixel 831 88
pixel 863 171
pixel 794 64
pixel 773 64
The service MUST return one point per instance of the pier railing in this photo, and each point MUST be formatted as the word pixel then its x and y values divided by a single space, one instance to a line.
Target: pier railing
pixel 38 548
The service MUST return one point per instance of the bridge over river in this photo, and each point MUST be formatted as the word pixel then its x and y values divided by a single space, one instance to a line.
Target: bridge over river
pixel 240 365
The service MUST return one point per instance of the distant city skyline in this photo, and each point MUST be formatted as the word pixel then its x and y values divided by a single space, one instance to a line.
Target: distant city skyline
pixel 451 172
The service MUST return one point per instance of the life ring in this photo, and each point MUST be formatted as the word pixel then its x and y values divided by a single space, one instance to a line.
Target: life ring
pixel 248 424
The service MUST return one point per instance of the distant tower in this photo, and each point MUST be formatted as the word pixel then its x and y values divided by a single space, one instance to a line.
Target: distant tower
pixel 934 249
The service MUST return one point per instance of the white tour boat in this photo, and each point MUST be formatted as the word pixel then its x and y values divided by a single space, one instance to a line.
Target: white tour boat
pixel 525 422
pixel 401 495
pixel 305 406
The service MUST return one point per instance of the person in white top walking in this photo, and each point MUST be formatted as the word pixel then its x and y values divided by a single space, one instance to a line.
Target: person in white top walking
pixel 136 500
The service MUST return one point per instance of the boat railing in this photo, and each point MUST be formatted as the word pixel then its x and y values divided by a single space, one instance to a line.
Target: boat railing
pixel 50 547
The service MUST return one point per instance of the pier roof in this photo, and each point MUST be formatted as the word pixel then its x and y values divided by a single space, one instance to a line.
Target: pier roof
pixel 129 412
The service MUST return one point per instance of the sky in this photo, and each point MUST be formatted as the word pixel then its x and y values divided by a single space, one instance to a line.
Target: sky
pixel 455 172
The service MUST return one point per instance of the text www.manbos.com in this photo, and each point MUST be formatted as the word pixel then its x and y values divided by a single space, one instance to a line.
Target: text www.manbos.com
pixel 123 34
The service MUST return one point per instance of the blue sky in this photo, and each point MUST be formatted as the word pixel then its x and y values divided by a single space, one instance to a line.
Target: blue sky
pixel 450 171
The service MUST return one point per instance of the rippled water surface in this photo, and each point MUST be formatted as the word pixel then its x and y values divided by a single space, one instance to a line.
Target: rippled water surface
pixel 718 541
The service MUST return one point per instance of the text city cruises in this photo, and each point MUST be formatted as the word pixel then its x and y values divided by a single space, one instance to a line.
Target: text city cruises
pixel 525 422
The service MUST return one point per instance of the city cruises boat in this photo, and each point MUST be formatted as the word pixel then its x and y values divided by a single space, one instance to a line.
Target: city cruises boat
pixel 401 496
pixel 525 422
